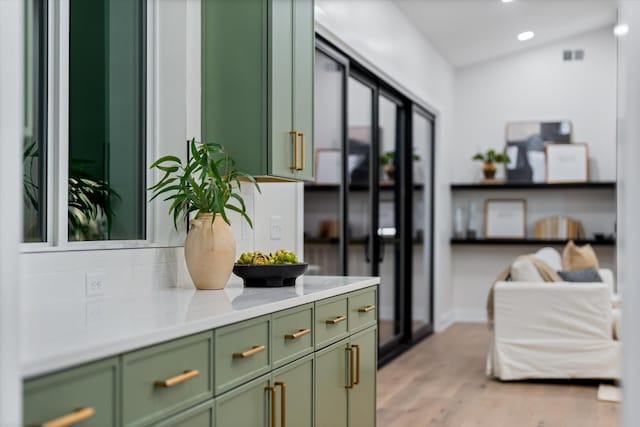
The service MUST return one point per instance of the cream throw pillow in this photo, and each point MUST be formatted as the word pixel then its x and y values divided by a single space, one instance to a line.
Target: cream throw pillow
pixel 523 270
pixel 579 257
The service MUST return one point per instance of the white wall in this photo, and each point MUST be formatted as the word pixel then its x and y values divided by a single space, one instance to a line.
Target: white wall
pixel 538 85
pixel 377 34
pixel 11 132
pixel 628 178
pixel 534 85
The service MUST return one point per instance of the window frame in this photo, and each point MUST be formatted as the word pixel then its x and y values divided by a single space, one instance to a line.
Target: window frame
pixel 57 131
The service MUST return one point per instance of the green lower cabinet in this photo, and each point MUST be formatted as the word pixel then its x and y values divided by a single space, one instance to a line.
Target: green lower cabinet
pixel 331 382
pixel 362 397
pixel 88 394
pixel 245 406
pixel 294 393
pixel 200 416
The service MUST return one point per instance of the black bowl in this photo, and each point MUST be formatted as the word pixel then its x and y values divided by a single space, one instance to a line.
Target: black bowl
pixel 270 276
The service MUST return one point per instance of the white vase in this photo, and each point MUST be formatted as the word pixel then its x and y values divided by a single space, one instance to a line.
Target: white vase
pixel 210 251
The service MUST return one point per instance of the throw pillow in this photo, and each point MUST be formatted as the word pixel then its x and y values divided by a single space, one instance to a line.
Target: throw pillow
pixel 579 257
pixel 588 275
pixel 551 256
pixel 523 270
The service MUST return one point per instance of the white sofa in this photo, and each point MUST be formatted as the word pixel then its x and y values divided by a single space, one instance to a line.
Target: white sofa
pixel 554 330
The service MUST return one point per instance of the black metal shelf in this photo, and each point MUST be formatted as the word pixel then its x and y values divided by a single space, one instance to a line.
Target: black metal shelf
pixel 535 186
pixel 384 186
pixel 505 242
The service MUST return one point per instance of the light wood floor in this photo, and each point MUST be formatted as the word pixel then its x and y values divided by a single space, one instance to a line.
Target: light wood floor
pixel 441 382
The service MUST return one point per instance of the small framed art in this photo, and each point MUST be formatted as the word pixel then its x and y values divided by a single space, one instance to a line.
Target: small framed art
pixel 567 163
pixel 505 219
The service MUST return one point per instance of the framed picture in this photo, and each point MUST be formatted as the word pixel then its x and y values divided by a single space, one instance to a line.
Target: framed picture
pixel 567 163
pixel 505 219
pixel 328 166
pixel 526 148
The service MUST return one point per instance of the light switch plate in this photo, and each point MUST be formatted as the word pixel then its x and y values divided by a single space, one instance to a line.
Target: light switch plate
pixel 275 227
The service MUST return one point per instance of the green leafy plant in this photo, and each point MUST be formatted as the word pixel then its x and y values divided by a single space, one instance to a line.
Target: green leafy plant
pixel 492 156
pixel 387 158
pixel 207 183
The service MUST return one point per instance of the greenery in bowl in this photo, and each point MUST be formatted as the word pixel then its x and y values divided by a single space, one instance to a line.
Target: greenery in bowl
pixel 492 156
pixel 207 183
pixel 387 158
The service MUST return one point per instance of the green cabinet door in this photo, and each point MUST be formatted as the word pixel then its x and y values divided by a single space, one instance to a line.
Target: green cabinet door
pixel 245 406
pixel 332 377
pixel 88 393
pixel 303 55
pixel 362 398
pixel 199 416
pixel 294 399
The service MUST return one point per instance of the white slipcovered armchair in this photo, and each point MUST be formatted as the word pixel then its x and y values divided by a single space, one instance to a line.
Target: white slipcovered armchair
pixel 554 330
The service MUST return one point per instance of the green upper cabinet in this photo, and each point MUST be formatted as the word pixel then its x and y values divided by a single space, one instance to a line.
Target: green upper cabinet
pixel 257 84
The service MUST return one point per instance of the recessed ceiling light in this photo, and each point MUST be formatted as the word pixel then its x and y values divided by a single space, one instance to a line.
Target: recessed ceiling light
pixel 620 30
pixel 507 1
pixel 527 35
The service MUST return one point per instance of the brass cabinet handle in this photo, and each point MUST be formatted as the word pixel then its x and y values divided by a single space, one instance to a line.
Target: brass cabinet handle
pixel 178 379
pixel 357 347
pixel 254 350
pixel 295 166
pixel 366 309
pixel 336 320
pixel 283 403
pixel 351 373
pixel 75 417
pixel 272 392
pixel 301 135
pixel 301 333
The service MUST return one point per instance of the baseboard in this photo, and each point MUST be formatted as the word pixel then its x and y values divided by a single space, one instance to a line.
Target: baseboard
pixel 446 320
pixel 470 316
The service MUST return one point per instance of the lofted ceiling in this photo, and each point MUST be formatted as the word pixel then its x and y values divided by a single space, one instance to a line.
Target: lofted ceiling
pixel 470 31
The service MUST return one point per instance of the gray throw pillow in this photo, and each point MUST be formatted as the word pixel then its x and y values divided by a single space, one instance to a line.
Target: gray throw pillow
pixel 587 275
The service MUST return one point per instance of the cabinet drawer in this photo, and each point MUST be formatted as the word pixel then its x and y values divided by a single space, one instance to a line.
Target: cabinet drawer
pixel 292 334
pixel 88 393
pixel 331 320
pixel 362 309
pixel 242 352
pixel 164 379
pixel 200 416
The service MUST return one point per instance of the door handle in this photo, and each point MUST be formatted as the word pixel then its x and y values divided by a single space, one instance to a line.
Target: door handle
pixel 301 333
pixel 283 403
pixel 357 347
pixel 301 135
pixel 272 393
pixel 351 371
pixel 381 249
pixel 178 379
pixel 295 166
pixel 253 351
pixel 75 417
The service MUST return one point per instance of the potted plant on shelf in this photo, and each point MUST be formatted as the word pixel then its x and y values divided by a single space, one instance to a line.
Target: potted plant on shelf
pixel 490 158
pixel 387 161
pixel 208 185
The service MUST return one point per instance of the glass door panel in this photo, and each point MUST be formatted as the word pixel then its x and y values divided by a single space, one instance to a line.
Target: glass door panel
pixel 359 191
pixel 388 232
pixel 322 204
pixel 422 137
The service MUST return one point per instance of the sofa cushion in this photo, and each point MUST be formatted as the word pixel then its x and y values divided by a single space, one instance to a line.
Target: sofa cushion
pixel 579 257
pixel 551 256
pixel 588 275
pixel 523 270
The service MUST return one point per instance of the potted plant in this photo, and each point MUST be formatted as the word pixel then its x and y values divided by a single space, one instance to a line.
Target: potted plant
pixel 490 158
pixel 387 162
pixel 208 185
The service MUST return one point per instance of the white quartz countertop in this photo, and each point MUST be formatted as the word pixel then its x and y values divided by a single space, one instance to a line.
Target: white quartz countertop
pixel 70 333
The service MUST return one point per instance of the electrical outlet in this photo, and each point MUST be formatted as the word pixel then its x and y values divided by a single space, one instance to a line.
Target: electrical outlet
pixel 95 284
pixel 275 228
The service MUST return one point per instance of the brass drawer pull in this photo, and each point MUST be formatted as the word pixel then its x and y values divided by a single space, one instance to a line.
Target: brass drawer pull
pixel 283 403
pixel 254 350
pixel 366 309
pixel 295 166
pixel 178 379
pixel 357 347
pixel 301 333
pixel 336 320
pixel 351 370
pixel 75 417
pixel 272 392
pixel 301 135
